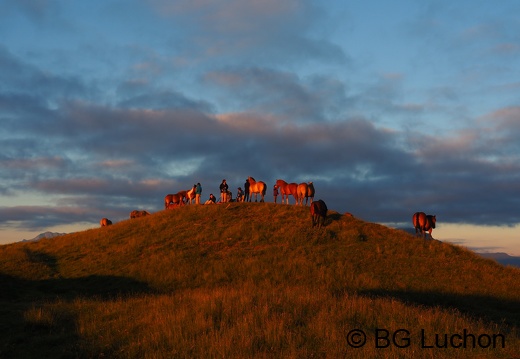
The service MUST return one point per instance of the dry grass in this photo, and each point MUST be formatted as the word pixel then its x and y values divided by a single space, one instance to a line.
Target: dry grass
pixel 249 281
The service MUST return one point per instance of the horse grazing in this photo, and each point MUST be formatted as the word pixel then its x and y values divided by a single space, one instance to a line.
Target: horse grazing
pixel 105 222
pixel 137 214
pixel 287 189
pixel 256 188
pixel 423 223
pixel 176 199
pixel 318 213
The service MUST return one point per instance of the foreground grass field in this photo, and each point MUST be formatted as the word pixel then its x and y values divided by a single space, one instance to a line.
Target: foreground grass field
pixel 251 280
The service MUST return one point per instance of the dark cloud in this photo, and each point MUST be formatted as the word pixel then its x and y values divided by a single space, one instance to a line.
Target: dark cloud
pixel 233 97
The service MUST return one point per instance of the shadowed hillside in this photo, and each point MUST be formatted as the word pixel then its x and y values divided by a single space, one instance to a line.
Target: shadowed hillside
pixel 249 280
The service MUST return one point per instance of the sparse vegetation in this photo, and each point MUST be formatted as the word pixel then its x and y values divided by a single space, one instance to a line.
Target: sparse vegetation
pixel 250 280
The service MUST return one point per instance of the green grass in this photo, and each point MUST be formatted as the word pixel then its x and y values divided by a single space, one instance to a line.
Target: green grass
pixel 249 280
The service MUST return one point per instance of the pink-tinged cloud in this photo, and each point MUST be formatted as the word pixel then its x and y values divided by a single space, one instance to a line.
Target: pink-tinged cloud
pixel 33 163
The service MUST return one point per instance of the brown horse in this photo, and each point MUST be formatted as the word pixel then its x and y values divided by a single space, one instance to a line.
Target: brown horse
pixel 190 194
pixel 105 222
pixel 302 192
pixel 423 223
pixel 318 213
pixel 256 188
pixel 310 192
pixel 305 190
pixel 176 199
pixel 183 195
pixel 137 214
pixel 287 189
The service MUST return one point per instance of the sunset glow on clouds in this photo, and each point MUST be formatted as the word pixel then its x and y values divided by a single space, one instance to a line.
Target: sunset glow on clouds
pixel 390 108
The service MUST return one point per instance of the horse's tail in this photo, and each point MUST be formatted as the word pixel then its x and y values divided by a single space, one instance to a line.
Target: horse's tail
pixel 415 220
pixel 420 221
pixel 264 189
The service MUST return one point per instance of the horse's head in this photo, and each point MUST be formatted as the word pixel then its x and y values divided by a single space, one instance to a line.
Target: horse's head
pixel 433 220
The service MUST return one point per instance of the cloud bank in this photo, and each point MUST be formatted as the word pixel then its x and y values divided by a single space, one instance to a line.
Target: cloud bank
pixel 112 116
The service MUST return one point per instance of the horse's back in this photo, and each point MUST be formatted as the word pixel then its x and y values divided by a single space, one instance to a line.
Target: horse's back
pixel 319 208
pixel 293 188
pixel 423 222
pixel 256 187
pixel 137 214
pixel 302 189
pixel 418 219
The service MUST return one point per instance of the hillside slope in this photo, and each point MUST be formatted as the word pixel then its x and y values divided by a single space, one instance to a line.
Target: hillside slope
pixel 252 280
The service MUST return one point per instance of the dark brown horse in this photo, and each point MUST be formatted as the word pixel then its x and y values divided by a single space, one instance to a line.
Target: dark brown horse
pixel 423 223
pixel 105 222
pixel 310 192
pixel 137 214
pixel 256 188
pixel 287 189
pixel 318 213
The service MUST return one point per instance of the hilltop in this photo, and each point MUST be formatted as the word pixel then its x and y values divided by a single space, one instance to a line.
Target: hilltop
pixel 247 280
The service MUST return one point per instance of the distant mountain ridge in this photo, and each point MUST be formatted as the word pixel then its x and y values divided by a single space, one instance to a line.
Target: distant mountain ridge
pixel 502 258
pixel 43 235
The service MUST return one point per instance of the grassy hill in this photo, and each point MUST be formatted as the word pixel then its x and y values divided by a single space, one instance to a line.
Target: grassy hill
pixel 253 280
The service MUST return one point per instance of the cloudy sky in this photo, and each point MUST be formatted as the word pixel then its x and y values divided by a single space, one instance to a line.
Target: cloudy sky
pixel 388 107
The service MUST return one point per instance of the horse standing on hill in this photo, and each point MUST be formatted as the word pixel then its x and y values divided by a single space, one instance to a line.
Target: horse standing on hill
pixel 302 192
pixel 137 214
pixel 305 190
pixel 190 194
pixel 105 222
pixel 176 199
pixel 310 192
pixel 318 213
pixel 423 223
pixel 256 188
pixel 183 195
pixel 287 189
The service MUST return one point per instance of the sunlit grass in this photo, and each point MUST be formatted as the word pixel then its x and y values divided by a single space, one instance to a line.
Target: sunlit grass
pixel 248 281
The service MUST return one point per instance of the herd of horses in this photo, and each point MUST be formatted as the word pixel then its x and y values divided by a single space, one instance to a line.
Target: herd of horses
pixel 298 191
pixel 422 222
